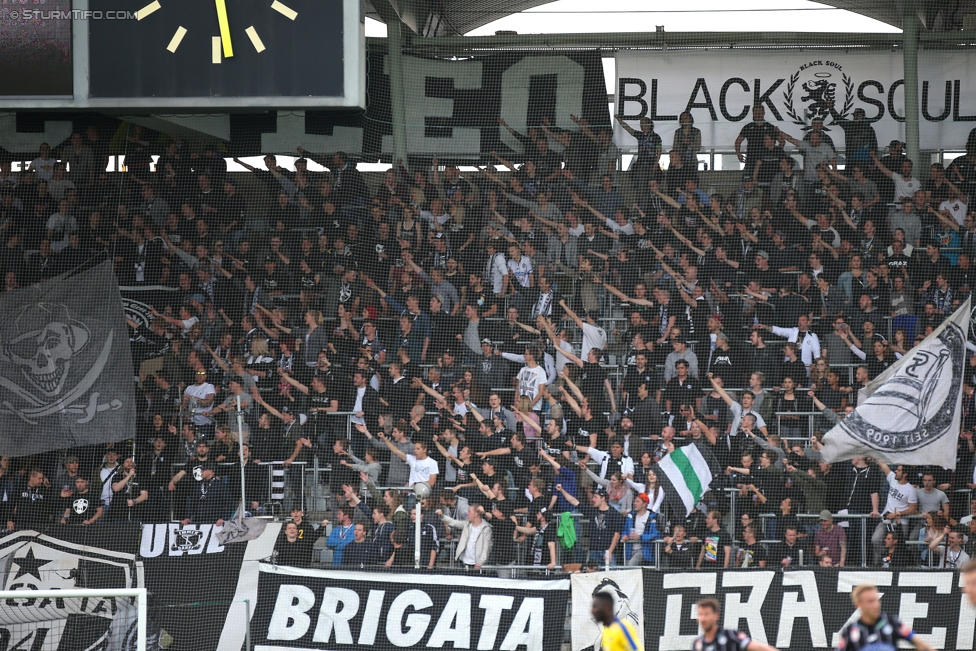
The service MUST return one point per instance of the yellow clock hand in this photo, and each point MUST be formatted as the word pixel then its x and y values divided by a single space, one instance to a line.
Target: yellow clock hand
pixel 224 29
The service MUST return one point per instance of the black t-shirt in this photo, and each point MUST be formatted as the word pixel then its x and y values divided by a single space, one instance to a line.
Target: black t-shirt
pixel 726 639
pixel 781 551
pixel 883 634
pixel 478 442
pixel 521 459
pixel 636 377
pixel 751 555
pixel 680 393
pixel 603 524
pixel 715 544
pixel 503 531
pixel 683 556
pixel 754 134
pixel 82 505
pixel 590 382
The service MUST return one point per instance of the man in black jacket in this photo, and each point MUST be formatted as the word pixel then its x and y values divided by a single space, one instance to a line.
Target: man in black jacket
pixel 209 501
pixel 357 554
pixel 32 505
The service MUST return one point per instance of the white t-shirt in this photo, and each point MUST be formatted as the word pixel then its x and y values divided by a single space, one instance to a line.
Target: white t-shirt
pixel 200 392
pixel 187 324
pixel 593 337
pixel 498 272
pixel 470 556
pixel 421 469
pixel 956 208
pixel 522 270
pixel 43 169
pixel 905 187
pixel 531 381
pixel 899 495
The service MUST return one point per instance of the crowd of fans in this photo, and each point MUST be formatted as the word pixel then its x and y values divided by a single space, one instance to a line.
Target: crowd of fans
pixel 529 340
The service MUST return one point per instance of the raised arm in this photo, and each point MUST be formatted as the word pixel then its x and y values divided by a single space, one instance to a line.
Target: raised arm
pixel 572 315
pixel 393 449
pixel 881 167
pixel 569 498
pixel 721 392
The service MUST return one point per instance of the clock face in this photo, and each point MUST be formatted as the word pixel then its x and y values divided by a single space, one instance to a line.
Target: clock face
pixel 217 48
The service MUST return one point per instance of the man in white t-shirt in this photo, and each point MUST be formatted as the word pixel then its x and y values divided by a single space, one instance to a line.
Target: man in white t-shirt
pixel 200 397
pixel 902 501
pixel 43 165
pixel 496 271
pixel 956 205
pixel 593 335
pixel 906 185
pixel 532 378
pixel 423 469
pixel 521 267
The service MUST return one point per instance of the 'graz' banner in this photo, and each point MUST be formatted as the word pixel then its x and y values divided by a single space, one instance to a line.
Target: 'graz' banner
pixel 805 609
pixel 315 609
pixel 795 86
pixel 65 365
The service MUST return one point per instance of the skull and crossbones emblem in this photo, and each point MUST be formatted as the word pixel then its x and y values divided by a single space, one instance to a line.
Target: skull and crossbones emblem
pixel 42 340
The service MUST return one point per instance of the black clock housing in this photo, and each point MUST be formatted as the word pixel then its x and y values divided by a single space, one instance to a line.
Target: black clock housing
pixel 303 57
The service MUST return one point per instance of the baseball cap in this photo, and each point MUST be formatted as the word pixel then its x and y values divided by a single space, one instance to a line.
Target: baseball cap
pixel 439 236
pixel 600 490
pixel 826 515
pixel 644 497
pixel 71 459
pixel 896 143
pixel 762 254
pixel 488 341
pixel 199 298
pixel 722 335
pixel 270 258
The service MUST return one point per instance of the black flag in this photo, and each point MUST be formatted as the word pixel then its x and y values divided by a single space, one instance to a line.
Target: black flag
pixel 65 364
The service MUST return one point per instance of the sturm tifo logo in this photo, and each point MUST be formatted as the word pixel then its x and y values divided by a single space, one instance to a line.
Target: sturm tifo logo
pixel 39 347
pixel 916 406
pixel 818 93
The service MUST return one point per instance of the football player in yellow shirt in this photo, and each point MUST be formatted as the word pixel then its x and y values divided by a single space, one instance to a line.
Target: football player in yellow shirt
pixel 618 635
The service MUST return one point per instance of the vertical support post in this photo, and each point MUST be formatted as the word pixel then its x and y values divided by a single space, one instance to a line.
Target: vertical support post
pixel 910 24
pixel 141 614
pixel 394 47
pixel 240 450
pixel 247 630
pixel 416 537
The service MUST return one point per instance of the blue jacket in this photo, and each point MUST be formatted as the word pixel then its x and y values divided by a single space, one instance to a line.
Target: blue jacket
pixel 647 538
pixel 337 540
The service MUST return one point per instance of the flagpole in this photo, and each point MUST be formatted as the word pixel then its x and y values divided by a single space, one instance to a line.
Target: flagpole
pixel 240 451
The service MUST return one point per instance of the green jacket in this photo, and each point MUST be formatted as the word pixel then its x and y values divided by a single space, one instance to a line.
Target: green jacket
pixel 566 532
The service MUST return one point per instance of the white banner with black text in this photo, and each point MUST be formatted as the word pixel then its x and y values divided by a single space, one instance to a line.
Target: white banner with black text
pixel 721 87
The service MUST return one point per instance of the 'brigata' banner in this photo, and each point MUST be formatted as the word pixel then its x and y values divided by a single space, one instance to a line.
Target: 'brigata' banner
pixel 320 609
pixel 65 364
pixel 795 86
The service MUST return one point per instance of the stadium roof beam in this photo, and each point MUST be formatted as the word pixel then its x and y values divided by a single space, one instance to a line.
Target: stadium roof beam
pixel 451 45
pixel 435 18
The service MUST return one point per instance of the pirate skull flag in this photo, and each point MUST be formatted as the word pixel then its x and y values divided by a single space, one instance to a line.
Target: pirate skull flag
pixel 911 412
pixel 65 364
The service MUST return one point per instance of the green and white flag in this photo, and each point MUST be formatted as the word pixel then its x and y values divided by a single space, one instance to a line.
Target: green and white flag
pixel 689 471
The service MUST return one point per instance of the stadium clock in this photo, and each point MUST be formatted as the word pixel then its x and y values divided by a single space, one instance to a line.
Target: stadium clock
pixel 217 48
